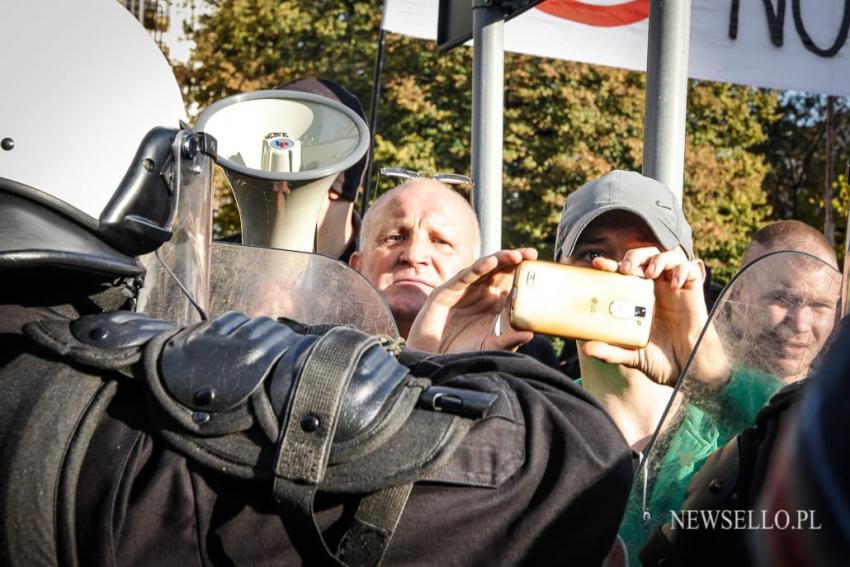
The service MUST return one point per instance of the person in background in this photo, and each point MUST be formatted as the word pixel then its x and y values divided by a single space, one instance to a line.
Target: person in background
pixel 414 238
pixel 800 301
pixel 622 222
pixel 778 316
pixel 807 480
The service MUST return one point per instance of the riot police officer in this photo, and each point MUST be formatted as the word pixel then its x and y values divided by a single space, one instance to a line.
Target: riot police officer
pixel 131 440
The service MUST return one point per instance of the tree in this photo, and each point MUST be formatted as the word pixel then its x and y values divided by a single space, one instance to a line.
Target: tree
pixel 565 123
pixel 724 170
pixel 795 148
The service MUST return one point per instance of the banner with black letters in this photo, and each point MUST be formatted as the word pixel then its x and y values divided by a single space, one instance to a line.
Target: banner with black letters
pixel 786 44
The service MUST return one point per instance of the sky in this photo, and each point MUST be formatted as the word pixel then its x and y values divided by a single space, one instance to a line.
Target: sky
pixel 174 38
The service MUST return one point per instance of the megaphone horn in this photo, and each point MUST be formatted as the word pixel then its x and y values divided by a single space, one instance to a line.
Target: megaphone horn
pixel 281 151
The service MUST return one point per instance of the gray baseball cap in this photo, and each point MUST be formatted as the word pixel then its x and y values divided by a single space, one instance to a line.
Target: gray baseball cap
pixel 624 191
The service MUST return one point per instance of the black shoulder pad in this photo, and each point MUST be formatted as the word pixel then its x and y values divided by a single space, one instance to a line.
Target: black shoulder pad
pixel 118 329
pixel 204 375
pixel 216 365
pixel 108 341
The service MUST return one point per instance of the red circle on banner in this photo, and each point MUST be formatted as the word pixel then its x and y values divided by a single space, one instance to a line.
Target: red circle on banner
pixel 611 16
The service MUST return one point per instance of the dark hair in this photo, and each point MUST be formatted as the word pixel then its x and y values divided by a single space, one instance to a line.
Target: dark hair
pixel 349 181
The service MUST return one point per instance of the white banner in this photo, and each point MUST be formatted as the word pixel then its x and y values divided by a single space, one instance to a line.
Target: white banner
pixel 785 44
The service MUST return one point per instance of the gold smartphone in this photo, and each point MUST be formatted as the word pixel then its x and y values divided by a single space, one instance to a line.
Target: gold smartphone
pixel 582 303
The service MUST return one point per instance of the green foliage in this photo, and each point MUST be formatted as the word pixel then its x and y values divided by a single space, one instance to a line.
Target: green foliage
pixel 724 171
pixel 226 221
pixel 245 45
pixel 841 203
pixel 565 123
pixel 795 147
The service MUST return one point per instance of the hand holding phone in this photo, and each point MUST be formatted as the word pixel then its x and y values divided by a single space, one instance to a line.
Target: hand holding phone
pixel 582 303
pixel 459 316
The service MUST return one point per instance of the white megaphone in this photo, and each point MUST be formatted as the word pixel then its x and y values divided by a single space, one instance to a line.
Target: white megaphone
pixel 281 151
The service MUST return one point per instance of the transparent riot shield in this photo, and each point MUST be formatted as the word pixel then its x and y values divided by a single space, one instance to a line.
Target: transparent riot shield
pixel 190 277
pixel 176 285
pixel 766 330
pixel 308 288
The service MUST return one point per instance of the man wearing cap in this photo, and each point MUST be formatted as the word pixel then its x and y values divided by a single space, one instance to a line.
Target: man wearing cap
pixel 622 222
pixel 632 224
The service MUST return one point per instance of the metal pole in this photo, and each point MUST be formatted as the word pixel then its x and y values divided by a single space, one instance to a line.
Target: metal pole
pixel 373 118
pixel 667 92
pixel 845 281
pixel 828 214
pixel 488 96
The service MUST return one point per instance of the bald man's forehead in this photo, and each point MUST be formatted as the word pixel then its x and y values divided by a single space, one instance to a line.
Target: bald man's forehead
pixel 423 198
pixel 757 250
pixel 425 187
pixel 790 275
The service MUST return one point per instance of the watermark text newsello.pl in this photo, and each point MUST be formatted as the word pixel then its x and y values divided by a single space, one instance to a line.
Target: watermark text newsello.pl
pixel 744 520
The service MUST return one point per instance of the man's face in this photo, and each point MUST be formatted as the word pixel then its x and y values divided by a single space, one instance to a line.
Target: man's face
pixel 611 235
pixel 415 241
pixel 788 313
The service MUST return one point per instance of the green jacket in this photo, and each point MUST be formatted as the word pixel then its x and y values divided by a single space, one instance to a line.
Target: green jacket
pixel 704 426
